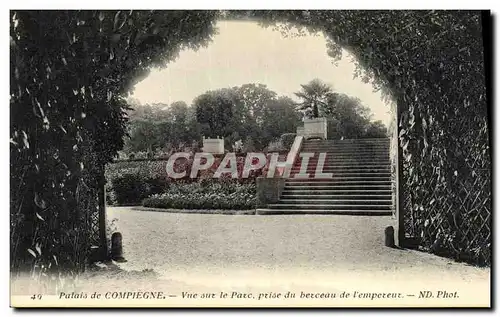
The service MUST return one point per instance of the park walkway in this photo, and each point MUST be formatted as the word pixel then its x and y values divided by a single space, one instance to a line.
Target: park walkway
pixel 307 251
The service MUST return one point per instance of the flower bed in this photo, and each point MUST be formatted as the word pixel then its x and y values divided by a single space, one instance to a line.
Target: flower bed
pixel 132 182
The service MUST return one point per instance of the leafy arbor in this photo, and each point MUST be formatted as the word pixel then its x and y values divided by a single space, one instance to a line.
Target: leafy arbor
pixel 433 64
pixel 70 73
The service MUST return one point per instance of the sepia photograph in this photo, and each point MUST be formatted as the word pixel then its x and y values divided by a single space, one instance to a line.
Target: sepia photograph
pixel 250 158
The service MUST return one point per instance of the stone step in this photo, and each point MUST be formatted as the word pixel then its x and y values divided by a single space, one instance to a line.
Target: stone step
pixel 311 177
pixel 355 148
pixel 333 185
pixel 377 145
pixel 334 180
pixel 314 155
pixel 338 172
pixel 350 163
pixel 346 142
pixel 337 186
pixel 315 197
pixel 316 186
pixel 269 211
pixel 337 180
pixel 299 201
pixel 330 157
pixel 372 175
pixel 351 141
pixel 330 191
pixel 343 186
pixel 328 149
pixel 350 167
pixel 344 159
pixel 339 175
pixel 333 160
pixel 335 156
pixel 343 173
pixel 347 146
pixel 329 206
pixel 346 199
pixel 344 149
pixel 330 154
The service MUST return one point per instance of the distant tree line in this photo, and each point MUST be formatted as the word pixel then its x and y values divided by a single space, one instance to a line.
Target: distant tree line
pixel 251 113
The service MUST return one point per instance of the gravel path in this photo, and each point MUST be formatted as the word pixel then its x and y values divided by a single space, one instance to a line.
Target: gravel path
pixel 303 250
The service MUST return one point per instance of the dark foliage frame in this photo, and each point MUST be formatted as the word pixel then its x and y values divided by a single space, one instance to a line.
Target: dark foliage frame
pixel 71 70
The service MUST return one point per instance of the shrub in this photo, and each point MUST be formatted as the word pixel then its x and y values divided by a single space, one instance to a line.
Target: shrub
pixel 249 145
pixel 141 155
pixel 287 139
pixel 275 146
pixel 129 182
pixel 132 188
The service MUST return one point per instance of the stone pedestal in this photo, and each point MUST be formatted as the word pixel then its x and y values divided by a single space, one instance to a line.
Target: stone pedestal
pixel 315 128
pixel 389 237
pixel 117 247
pixel 214 146
pixel 269 190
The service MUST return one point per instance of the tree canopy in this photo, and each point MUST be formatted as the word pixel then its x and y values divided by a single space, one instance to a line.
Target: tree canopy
pixel 314 96
pixel 251 113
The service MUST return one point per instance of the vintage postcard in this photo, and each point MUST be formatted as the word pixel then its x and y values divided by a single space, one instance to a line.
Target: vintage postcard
pixel 250 158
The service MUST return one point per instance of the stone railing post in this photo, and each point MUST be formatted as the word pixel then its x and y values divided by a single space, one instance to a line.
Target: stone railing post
pixel 269 189
pixel 292 156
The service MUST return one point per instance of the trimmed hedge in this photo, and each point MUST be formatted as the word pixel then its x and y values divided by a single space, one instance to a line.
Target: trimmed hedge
pixel 132 188
pixel 201 196
pixel 129 182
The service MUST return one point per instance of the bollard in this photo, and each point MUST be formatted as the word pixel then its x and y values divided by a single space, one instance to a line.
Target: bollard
pixel 389 237
pixel 117 248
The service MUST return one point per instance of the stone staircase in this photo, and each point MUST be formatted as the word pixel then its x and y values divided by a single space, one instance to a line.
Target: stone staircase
pixel 360 182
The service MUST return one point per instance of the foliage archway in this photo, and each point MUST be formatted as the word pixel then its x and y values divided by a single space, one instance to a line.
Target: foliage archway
pixel 70 72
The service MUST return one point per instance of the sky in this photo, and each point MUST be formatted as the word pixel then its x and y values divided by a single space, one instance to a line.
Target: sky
pixel 243 52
